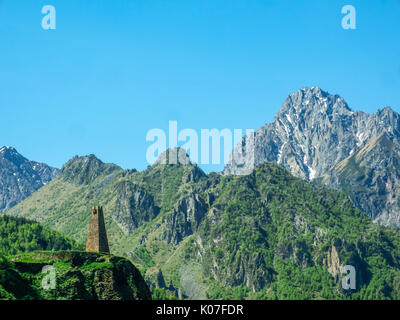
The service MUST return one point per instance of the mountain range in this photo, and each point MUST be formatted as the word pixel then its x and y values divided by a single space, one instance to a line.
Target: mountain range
pixel 323 174
pixel 20 177
pixel 266 235
pixel 317 137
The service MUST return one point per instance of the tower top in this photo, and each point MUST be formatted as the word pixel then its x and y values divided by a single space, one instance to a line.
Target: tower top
pixel 97 237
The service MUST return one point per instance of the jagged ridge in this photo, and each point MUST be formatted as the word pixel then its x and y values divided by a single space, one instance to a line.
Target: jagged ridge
pixel 314 131
pixel 20 177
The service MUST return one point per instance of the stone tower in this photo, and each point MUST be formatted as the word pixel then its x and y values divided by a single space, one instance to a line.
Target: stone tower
pixel 97 238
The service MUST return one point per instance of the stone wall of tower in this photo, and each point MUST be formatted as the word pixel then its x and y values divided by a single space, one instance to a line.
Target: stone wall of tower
pixel 97 237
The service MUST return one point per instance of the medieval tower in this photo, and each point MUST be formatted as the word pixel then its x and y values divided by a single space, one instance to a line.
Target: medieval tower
pixel 97 238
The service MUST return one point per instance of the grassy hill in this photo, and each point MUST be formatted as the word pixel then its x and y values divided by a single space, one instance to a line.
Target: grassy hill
pixel 20 235
pixel 79 276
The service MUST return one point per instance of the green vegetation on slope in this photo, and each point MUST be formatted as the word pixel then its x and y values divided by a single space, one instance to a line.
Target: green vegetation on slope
pixel 79 276
pixel 266 235
pixel 274 233
pixel 20 235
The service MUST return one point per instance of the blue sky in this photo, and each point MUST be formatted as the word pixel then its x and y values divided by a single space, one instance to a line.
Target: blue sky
pixel 112 70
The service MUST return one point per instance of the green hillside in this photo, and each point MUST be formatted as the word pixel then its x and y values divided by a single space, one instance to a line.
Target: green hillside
pixel 78 276
pixel 267 235
pixel 20 235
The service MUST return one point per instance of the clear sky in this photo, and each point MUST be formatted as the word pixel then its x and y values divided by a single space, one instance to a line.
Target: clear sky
pixel 112 70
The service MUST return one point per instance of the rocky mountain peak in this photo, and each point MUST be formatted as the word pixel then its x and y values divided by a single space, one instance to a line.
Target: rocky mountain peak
pixel 11 154
pixel 312 102
pixel 5 149
pixel 174 156
pixel 314 131
pixel 20 177
pixel 85 169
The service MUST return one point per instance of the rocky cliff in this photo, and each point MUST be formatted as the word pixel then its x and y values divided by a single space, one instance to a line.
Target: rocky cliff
pixel 78 276
pixel 371 177
pixel 20 177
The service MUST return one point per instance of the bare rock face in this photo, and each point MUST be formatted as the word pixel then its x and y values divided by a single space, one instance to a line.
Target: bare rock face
pixel 185 219
pixel 315 131
pixel 248 269
pixel 20 177
pixel 134 206
pixel 333 262
pixel 371 178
